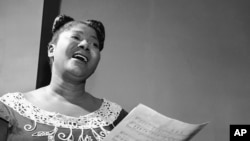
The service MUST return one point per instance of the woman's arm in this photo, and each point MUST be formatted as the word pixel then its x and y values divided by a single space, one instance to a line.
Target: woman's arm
pixel 3 130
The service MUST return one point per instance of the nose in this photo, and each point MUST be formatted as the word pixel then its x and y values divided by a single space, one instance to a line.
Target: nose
pixel 84 44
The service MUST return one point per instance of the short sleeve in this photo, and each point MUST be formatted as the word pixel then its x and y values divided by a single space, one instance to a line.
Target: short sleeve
pixel 5 113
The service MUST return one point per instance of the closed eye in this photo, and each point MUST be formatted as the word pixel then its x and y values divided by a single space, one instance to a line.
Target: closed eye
pixel 76 38
pixel 96 45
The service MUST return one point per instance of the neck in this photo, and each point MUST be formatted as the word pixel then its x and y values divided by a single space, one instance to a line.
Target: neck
pixel 68 89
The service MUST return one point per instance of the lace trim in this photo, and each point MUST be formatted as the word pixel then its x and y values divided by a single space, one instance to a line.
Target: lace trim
pixel 104 116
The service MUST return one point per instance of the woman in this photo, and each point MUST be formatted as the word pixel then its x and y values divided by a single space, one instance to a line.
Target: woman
pixel 63 110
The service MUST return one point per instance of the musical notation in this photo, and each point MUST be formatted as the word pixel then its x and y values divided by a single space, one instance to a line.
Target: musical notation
pixel 145 124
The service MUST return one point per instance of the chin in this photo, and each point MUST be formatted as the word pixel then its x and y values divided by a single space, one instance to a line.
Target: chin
pixel 80 73
pixel 83 72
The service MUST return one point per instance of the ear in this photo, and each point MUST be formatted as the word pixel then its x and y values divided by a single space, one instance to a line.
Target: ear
pixel 51 49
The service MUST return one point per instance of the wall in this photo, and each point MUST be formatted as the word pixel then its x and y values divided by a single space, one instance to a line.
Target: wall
pixel 186 59
pixel 20 28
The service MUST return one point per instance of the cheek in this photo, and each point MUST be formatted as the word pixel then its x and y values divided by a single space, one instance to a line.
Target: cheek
pixel 65 49
pixel 96 55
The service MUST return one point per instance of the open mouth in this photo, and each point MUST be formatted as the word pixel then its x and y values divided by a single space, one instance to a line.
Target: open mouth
pixel 80 57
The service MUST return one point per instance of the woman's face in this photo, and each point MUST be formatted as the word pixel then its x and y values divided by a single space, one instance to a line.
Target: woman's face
pixel 76 53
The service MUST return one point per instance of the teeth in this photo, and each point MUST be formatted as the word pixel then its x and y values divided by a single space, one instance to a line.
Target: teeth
pixel 81 57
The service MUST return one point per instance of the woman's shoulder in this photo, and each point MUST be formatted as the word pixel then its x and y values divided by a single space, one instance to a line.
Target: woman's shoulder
pixel 10 98
pixel 6 101
pixel 114 109
pixel 112 106
pixel 11 103
pixel 9 95
pixel 14 96
pixel 3 107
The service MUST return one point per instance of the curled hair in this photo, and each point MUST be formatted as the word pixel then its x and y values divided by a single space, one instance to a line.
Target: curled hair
pixel 60 21
pixel 99 29
pixel 63 22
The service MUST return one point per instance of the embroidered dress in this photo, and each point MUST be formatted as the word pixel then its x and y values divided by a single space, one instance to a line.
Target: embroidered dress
pixel 30 123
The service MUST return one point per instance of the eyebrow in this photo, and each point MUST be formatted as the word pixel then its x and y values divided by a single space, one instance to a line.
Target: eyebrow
pixel 92 36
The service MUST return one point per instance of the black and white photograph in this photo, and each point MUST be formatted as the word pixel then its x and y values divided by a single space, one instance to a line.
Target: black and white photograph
pixel 124 70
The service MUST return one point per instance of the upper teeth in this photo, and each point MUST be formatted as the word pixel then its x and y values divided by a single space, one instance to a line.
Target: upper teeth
pixel 81 57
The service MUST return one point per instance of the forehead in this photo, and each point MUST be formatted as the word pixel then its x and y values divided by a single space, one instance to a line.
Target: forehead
pixel 82 28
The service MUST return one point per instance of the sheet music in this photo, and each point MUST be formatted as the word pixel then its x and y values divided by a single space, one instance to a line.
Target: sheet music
pixel 145 124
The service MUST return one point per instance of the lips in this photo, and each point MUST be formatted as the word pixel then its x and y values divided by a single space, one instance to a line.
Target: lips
pixel 80 57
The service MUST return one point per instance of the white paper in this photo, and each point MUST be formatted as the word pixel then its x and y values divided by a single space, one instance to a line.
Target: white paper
pixel 145 124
